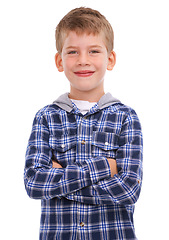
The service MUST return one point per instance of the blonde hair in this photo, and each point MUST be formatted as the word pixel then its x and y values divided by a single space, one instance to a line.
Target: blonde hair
pixel 83 20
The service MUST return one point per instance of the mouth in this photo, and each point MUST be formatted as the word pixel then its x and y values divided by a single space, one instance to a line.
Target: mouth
pixel 84 73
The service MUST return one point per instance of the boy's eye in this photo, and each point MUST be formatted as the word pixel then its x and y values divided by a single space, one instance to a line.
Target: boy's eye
pixel 94 51
pixel 72 52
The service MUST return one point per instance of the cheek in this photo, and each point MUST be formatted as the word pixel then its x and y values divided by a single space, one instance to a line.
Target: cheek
pixel 101 63
pixel 102 66
pixel 67 64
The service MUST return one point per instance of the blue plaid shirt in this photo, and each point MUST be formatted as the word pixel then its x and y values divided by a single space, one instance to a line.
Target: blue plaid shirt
pixel 81 201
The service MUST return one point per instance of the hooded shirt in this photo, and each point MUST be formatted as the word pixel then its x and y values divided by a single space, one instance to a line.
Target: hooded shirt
pixel 81 201
pixel 65 102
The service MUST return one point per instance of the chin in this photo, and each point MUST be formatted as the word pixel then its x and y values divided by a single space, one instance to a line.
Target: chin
pixel 85 89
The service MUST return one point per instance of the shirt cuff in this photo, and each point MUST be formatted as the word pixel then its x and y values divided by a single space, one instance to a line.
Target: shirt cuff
pixel 99 168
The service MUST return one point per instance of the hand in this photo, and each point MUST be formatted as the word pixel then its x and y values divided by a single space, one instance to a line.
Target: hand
pixel 113 166
pixel 56 165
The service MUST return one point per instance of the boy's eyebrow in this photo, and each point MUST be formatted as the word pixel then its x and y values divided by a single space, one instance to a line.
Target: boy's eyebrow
pixel 71 47
pixel 95 46
pixel 91 46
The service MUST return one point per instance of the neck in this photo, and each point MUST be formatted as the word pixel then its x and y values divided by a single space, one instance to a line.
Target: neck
pixel 91 96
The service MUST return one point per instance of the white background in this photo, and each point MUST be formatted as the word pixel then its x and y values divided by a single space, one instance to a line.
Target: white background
pixel 29 80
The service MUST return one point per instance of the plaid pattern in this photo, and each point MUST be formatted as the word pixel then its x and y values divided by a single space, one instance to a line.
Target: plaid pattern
pixel 81 201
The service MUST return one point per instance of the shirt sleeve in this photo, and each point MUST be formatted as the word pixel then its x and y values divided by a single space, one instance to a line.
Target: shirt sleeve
pixel 44 182
pixel 124 188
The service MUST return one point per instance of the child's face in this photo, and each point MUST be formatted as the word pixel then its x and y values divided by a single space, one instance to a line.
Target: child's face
pixel 84 60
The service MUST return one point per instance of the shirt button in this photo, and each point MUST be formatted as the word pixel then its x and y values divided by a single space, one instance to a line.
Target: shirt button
pixel 106 143
pixel 82 224
pixel 63 145
pixel 83 142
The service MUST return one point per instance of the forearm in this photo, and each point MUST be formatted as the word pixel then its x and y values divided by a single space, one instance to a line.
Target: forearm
pixel 121 189
pixel 43 183
pixel 88 194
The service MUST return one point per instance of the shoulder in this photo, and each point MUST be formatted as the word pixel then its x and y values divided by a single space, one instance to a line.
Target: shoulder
pixel 124 114
pixel 48 110
pixel 120 108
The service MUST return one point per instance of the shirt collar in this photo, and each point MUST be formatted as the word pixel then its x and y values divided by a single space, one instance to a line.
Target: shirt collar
pixel 65 103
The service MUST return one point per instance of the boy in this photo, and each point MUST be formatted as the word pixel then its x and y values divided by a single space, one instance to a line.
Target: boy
pixel 84 157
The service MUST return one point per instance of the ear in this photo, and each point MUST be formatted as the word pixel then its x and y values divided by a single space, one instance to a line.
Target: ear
pixel 58 62
pixel 111 61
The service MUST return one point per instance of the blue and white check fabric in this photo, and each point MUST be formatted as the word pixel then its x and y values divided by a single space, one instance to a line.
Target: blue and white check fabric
pixel 81 201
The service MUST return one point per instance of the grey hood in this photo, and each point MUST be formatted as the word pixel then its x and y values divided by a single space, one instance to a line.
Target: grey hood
pixel 65 103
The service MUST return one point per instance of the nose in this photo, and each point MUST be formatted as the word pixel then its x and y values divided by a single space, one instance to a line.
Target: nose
pixel 83 59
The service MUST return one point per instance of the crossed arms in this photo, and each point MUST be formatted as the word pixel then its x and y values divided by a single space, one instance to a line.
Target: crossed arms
pixel 93 181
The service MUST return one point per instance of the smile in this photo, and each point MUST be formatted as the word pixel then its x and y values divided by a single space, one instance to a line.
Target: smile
pixel 84 73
